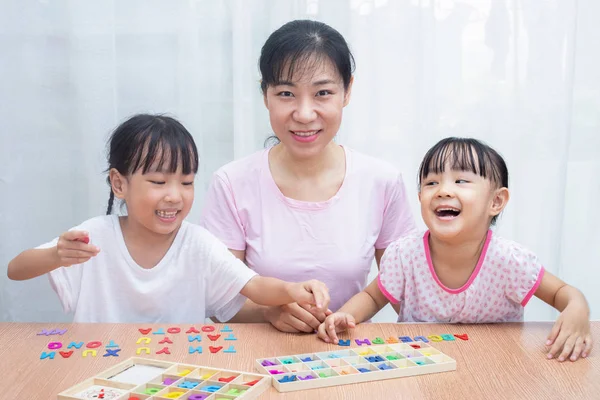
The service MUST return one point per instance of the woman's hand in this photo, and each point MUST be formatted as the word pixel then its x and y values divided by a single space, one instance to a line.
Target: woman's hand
pixel 294 318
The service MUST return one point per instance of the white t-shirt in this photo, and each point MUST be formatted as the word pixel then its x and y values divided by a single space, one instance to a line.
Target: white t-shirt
pixel 198 277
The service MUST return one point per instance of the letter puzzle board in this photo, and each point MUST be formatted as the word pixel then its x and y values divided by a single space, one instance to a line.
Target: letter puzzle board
pixel 361 364
pixel 145 379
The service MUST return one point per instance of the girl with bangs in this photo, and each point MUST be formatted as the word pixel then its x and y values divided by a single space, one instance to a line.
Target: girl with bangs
pixel 459 270
pixel 149 265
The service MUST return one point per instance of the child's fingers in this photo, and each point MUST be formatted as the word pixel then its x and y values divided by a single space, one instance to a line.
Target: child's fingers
pixel 579 344
pixel 70 253
pixel 322 333
pixel 320 293
pixel 567 348
pixel 331 330
pixel 74 260
pixel 328 312
pixel 554 333
pixel 76 235
pixel 350 322
pixel 557 346
pixel 588 346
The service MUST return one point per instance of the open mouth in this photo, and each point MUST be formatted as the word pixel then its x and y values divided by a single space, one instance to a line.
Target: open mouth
pixel 166 214
pixel 447 212
pixel 306 134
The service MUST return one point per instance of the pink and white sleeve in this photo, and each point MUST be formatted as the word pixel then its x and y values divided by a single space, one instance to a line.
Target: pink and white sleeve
pixel 391 277
pixel 525 274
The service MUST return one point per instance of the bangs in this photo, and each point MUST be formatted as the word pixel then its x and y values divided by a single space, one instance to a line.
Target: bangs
pixel 296 67
pixel 165 149
pixel 462 154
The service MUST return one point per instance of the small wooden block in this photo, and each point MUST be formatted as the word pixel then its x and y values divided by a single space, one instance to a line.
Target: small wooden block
pixel 344 342
pixel 226 328
pixel 145 331
pixel 230 337
pixel 214 349
pixel 214 337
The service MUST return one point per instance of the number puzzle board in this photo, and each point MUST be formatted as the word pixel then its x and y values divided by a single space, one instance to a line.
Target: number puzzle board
pixel 361 364
pixel 144 379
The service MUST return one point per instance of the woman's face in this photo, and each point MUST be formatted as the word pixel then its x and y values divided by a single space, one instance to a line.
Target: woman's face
pixel 306 109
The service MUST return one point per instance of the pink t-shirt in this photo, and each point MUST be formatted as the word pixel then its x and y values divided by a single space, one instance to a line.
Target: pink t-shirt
pixel 333 241
pixel 505 278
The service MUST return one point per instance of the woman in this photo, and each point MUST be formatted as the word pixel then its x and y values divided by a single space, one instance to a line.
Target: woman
pixel 307 207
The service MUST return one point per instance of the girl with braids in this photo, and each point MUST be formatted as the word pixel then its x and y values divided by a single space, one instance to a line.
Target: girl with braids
pixel 150 265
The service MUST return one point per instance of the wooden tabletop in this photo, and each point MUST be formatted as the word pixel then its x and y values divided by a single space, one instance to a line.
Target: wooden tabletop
pixel 501 361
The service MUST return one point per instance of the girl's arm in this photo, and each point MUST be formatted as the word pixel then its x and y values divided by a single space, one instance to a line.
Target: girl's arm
pixel 32 263
pixel 290 317
pixel 70 249
pixel 570 335
pixel 359 308
pixel 272 292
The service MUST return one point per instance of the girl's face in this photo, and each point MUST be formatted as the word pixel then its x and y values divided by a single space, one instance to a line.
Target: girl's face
pixel 459 204
pixel 306 111
pixel 157 200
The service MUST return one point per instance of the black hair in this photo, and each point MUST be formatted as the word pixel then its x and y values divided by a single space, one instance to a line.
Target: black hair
pixel 465 154
pixel 144 139
pixel 300 42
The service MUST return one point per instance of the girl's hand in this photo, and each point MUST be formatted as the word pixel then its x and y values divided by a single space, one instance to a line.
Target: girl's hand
pixel 570 335
pixel 313 293
pixel 335 323
pixel 73 248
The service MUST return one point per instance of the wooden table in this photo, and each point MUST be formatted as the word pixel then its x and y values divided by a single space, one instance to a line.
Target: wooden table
pixel 503 361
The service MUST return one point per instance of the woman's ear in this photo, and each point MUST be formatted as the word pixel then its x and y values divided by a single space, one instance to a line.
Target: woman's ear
pixel 499 201
pixel 348 91
pixel 118 183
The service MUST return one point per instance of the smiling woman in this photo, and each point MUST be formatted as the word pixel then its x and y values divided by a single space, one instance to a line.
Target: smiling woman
pixel 307 207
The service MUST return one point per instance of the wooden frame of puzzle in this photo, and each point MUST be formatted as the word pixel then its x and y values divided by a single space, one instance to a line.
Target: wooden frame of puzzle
pixel 146 379
pixel 354 365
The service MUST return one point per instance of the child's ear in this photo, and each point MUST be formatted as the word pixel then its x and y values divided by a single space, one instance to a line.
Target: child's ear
pixel 118 183
pixel 499 201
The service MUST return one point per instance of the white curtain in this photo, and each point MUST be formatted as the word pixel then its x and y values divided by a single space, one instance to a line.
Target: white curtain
pixel 522 75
